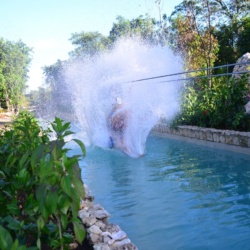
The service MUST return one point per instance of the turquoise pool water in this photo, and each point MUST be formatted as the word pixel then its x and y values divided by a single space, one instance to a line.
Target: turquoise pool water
pixel 178 196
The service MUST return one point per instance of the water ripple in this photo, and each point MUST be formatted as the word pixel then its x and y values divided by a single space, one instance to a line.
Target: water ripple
pixel 178 196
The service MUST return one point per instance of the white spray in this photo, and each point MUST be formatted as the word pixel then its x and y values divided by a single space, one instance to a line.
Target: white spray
pixel 97 82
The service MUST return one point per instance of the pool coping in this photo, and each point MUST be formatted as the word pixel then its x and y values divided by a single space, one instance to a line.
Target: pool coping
pixel 231 140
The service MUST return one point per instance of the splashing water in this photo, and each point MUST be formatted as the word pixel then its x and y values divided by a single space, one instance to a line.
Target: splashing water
pixel 98 82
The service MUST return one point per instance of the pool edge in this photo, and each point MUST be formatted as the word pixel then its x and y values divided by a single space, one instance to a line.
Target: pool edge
pixel 222 139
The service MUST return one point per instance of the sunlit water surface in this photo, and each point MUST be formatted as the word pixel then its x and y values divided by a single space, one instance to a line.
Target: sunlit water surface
pixel 178 196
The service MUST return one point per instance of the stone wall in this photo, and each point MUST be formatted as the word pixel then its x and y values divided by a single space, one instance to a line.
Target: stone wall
pixel 229 137
pixel 100 233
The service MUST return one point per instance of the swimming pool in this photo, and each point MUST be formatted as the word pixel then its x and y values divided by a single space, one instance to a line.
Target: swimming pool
pixel 180 195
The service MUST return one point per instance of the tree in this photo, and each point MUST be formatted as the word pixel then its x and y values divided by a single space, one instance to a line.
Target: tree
pixel 14 62
pixel 143 27
pixel 40 101
pixel 243 42
pixel 209 23
pixel 163 31
pixel 192 33
pixel 120 28
pixel 59 99
pixel 233 10
pixel 2 76
pixel 88 44
pixel 232 32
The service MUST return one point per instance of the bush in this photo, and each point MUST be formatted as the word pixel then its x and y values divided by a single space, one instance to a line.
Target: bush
pixel 221 106
pixel 40 186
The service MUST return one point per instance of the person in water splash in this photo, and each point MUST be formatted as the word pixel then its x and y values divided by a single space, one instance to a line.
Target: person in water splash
pixel 117 123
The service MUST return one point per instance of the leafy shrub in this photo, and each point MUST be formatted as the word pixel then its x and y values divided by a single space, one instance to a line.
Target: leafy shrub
pixel 221 106
pixel 40 186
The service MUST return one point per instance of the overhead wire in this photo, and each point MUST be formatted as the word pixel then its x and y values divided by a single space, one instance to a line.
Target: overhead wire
pixel 194 71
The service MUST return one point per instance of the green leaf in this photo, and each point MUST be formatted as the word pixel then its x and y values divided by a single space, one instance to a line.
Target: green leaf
pixel 64 220
pixel 66 185
pixel 68 161
pixel 37 154
pixel 68 133
pixel 12 223
pixel 38 243
pixel 56 148
pixel 23 176
pixel 30 204
pixel 23 160
pixel 77 171
pixel 79 231
pixel 65 126
pixel 40 223
pixel 2 174
pixel 51 201
pixel 46 170
pixel 7 194
pixel 6 241
pixel 13 208
pixel 15 246
pixel 68 238
pixel 78 185
pixel 64 203
pixel 82 146
pixel 41 196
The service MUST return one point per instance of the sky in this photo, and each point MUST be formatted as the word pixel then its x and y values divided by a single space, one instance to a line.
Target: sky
pixel 47 25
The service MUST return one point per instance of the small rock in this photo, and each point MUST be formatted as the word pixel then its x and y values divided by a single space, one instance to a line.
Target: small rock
pixel 101 225
pixel 97 207
pixel 73 246
pixel 89 221
pixel 83 213
pixel 101 246
pixel 113 228
pixel 92 209
pixel 111 242
pixel 101 214
pixel 118 236
pixel 94 229
pixel 94 238
pixel 106 237
pixel 121 243
pixel 129 246
pixel 86 203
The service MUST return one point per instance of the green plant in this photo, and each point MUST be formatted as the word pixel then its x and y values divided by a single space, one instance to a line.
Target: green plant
pixel 220 106
pixel 41 186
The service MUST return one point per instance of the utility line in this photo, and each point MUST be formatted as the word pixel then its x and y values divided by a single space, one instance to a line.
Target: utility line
pixel 193 71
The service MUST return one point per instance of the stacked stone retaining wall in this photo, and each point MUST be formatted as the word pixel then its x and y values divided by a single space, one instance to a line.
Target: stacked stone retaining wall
pixel 101 234
pixel 229 137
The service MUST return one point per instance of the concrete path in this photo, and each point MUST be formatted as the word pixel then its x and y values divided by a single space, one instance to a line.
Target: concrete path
pixel 5 118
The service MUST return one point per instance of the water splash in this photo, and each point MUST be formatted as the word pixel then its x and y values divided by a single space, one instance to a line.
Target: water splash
pixel 97 82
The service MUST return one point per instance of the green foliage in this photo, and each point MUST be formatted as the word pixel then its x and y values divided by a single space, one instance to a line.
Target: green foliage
pixel 191 33
pixel 88 44
pixel 221 106
pixel 243 42
pixel 40 186
pixel 14 62
pixel 143 27
pixel 208 33
pixel 56 94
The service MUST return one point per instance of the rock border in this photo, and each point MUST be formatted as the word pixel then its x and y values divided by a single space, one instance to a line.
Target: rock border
pixel 230 137
pixel 100 233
